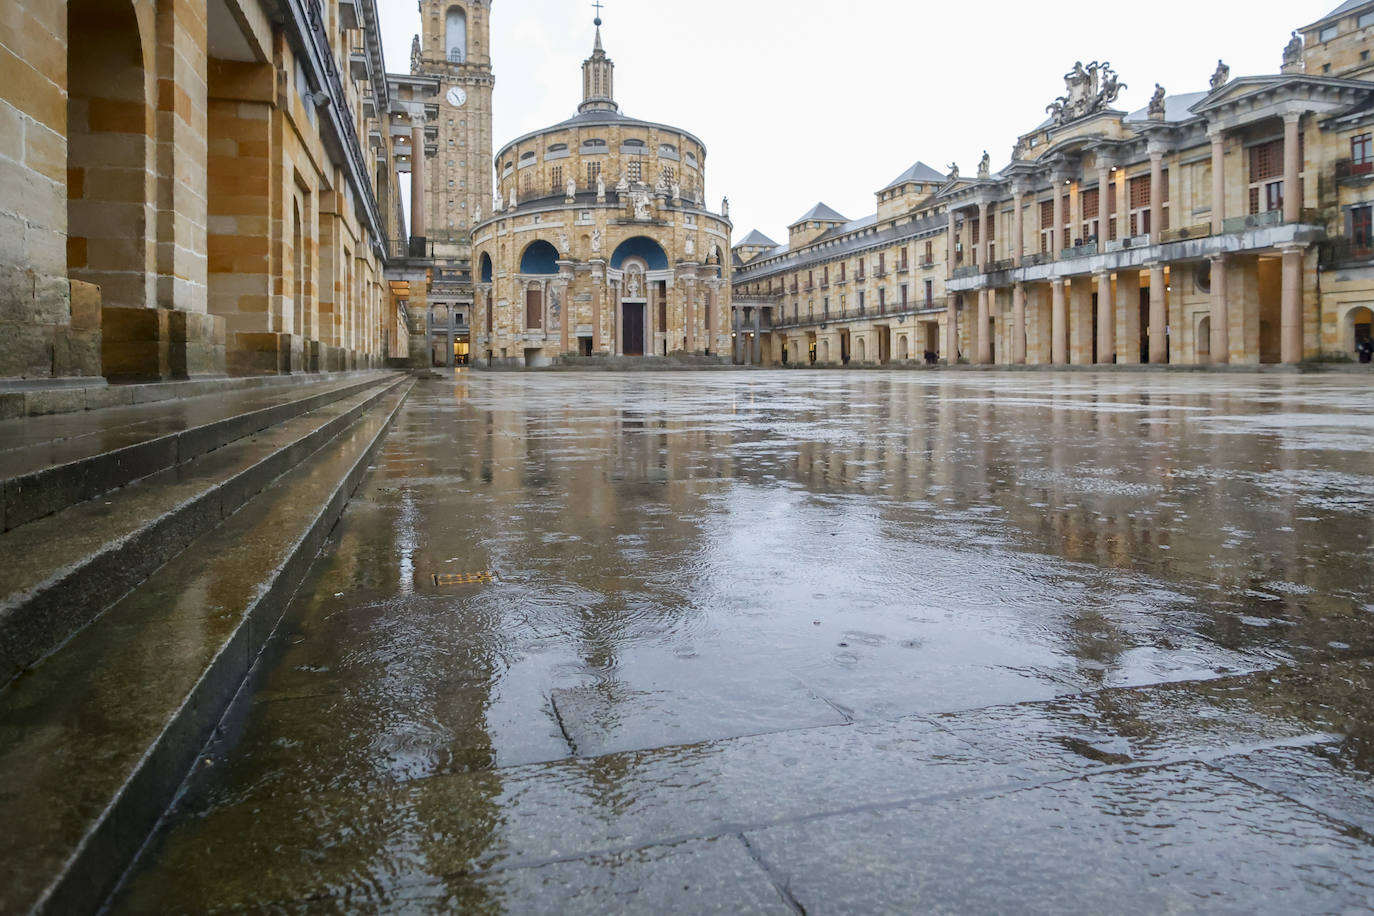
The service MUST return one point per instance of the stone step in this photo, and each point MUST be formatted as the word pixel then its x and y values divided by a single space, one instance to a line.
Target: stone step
pixel 49 464
pixel 95 740
pixel 65 568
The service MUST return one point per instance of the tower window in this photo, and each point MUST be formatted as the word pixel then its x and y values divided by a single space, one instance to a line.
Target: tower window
pixel 456 35
pixel 593 173
pixel 556 178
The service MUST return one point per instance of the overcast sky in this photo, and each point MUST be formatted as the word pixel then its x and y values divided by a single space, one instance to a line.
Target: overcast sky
pixel 804 100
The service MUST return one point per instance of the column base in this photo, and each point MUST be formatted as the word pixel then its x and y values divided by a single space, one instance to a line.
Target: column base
pixel 150 345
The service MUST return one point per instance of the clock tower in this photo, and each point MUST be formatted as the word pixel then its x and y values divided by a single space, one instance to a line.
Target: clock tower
pixel 455 46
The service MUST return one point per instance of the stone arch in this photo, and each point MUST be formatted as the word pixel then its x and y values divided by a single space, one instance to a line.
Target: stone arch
pixel 640 246
pixel 903 348
pixel 859 350
pixel 1357 321
pixel 539 258
pixel 456 35
pixel 484 268
pixel 109 151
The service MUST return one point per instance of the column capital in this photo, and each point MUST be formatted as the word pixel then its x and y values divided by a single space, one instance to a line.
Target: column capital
pixel 1292 247
pixel 1293 117
pixel 1217 133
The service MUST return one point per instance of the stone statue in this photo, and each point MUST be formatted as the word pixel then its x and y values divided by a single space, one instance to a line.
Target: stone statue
pixel 954 171
pixel 1292 54
pixel 689 247
pixel 725 207
pixel 677 192
pixel 632 286
pixel 985 166
pixel 513 201
pixel 415 58
pixel 643 204
pixel 497 201
pixel 1157 103
pixel 596 241
pixel 563 243
pixel 623 185
pixel 476 214
pixel 572 189
pixel 600 188
pixel 1221 77
pixel 1087 90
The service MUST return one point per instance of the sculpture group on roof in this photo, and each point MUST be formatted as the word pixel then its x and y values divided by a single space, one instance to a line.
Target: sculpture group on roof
pixel 1089 90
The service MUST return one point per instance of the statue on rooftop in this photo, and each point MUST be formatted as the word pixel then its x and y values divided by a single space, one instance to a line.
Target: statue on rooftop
pixel 985 166
pixel 953 171
pixel 1292 54
pixel 1221 77
pixel 1157 103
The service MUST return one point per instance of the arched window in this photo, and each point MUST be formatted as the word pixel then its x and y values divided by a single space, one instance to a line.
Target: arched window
pixel 456 35
pixel 667 149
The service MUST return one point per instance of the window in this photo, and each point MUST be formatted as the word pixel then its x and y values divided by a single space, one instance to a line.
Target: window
pixel 1090 199
pixel 558 148
pixel 882 263
pixel 1361 230
pixel 861 302
pixel 844 265
pixel 1266 177
pixel 594 146
pixel 692 160
pixel 635 144
pixel 904 299
pixel 882 297
pixel 556 179
pixel 930 254
pixel 1362 154
pixel 1329 32
pixel 668 174
pixel 593 173
pixel 1139 198
pixel 635 170
pixel 930 293
pixel 667 149
pixel 1366 20
pixel 527 158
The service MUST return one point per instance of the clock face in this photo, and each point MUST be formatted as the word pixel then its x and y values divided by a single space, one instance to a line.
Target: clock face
pixel 456 97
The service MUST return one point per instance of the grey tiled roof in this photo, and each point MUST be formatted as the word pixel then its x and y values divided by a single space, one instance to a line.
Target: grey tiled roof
pixel 823 213
pixel 920 172
pixel 1344 8
pixel 812 255
pixel 1175 108
pixel 756 239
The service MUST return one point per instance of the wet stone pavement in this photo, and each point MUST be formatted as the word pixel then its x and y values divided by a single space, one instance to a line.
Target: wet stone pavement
pixel 823 643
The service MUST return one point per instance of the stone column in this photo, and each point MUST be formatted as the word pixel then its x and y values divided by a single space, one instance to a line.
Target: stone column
pixel 737 342
pixel 1292 168
pixel 980 255
pixel 758 336
pixel 1156 200
pixel 1291 345
pixel 598 290
pixel 951 242
pixel 952 330
pixel 1159 314
pixel 983 337
pixel 689 311
pixel 1218 188
pixel 1106 320
pixel 1056 225
pixel 417 178
pixel 1018 229
pixel 1221 314
pixel 1128 322
pixel 1104 211
pixel 1059 321
pixel 1018 324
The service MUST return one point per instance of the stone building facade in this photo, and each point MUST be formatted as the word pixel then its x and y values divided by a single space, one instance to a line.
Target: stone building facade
pixel 1226 225
pixel 598 241
pixel 189 187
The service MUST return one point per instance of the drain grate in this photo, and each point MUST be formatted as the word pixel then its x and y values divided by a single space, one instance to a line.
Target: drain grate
pixel 463 578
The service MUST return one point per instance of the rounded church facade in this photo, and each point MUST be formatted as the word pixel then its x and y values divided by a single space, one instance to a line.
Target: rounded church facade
pixel 599 242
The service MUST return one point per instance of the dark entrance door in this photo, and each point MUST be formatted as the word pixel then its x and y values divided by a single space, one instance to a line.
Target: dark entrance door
pixel 634 329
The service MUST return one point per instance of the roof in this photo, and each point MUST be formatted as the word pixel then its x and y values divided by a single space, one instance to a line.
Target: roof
pixel 756 239
pixel 1176 108
pixel 598 119
pixel 920 172
pixel 822 213
pixel 1346 7
pixel 765 265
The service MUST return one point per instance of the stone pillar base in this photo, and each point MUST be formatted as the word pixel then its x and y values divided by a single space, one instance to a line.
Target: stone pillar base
pixel 149 345
pixel 260 353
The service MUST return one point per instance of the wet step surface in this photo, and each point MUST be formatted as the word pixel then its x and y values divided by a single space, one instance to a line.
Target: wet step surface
pixel 772 641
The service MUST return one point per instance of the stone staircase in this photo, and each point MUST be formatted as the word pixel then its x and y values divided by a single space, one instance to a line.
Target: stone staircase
pixel 149 552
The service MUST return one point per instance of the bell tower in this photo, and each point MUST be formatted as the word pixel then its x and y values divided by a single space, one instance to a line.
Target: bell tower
pixel 455 47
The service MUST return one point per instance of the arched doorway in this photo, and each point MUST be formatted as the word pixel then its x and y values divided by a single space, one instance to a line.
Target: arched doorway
pixel 109 193
pixel 637 323
pixel 1357 328
pixel 539 260
pixel 1203 337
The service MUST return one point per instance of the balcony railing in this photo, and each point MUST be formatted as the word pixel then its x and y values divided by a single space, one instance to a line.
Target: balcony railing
pixel 1349 168
pixel 900 310
pixel 968 270
pixel 413 247
pixel 1340 251
pixel 1253 221
pixel 1079 251
pixel 999 266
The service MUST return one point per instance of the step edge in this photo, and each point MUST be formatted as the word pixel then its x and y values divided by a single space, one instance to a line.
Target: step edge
pixel 52 596
pixel 184 445
pixel 79 885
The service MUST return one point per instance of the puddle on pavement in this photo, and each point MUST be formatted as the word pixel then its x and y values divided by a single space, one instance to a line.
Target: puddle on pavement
pixel 719 571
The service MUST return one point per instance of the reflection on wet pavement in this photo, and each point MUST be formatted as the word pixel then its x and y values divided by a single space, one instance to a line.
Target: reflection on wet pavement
pixel 763 642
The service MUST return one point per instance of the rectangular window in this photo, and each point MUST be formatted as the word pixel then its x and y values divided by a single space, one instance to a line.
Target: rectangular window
pixel 593 173
pixel 1362 154
pixel 825 275
pixel 556 181
pixel 662 306
pixel 1361 230
pixel 859 269
pixel 635 170
pixel 1329 32
pixel 930 253
pixel 1090 199
pixel 1266 177
pixel 843 265
pixel 825 306
pixel 930 293
pixel 1366 20
pixel 667 171
pixel 904 299
pixel 861 302
pixel 882 297
pixel 882 263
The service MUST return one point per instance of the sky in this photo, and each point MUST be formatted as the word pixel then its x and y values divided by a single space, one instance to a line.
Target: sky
pixel 800 101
